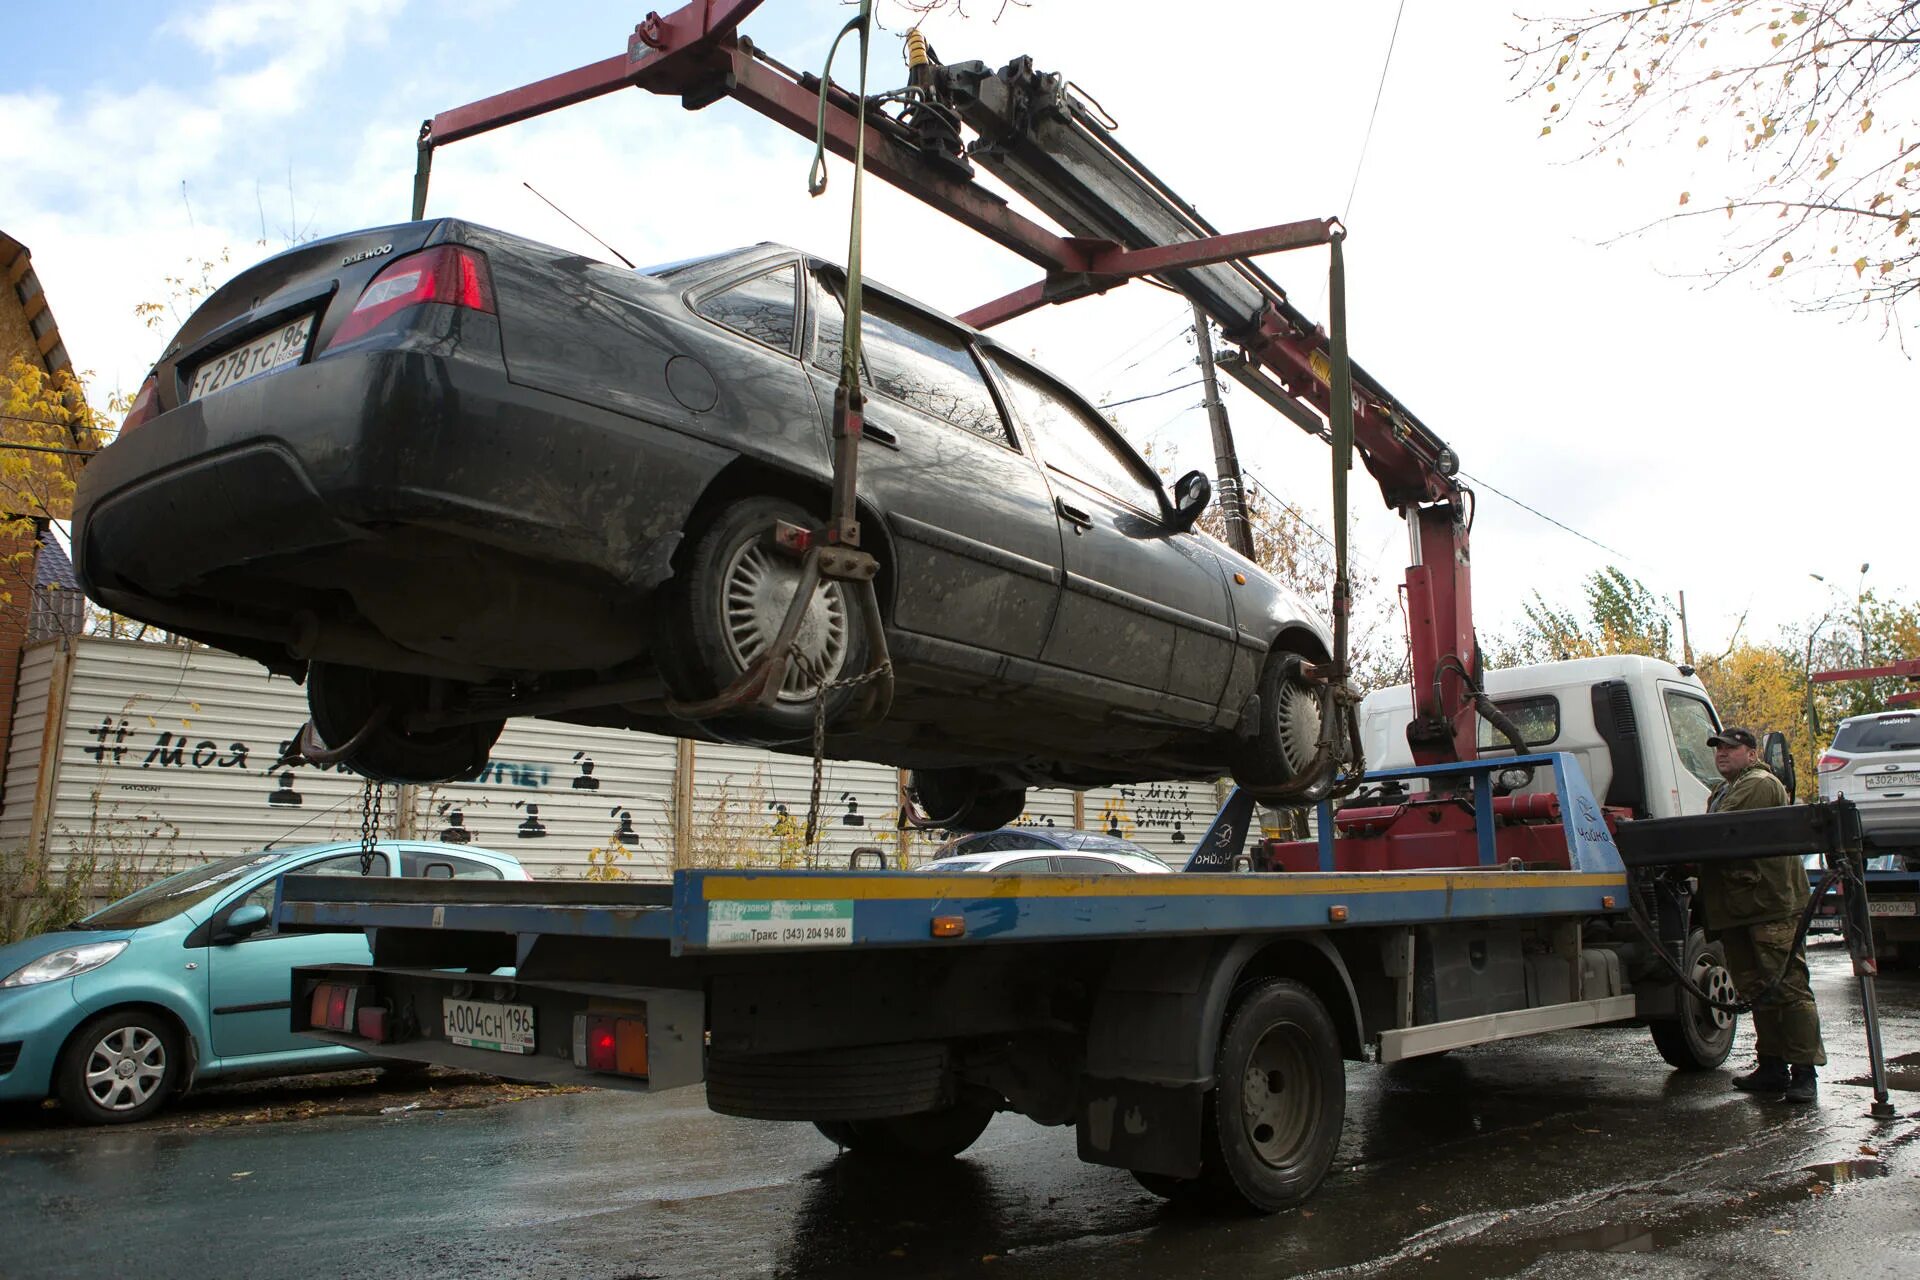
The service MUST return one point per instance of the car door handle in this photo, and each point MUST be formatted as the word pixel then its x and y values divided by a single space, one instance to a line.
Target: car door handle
pixel 879 435
pixel 1073 515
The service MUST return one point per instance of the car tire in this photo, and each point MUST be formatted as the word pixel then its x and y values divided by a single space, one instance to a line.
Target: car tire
pixel 965 799
pixel 341 698
pixel 1272 1121
pixel 119 1067
pixel 1701 1037
pixel 1283 743
pixel 727 607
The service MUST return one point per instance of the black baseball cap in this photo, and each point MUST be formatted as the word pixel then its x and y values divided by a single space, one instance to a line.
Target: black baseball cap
pixel 1734 736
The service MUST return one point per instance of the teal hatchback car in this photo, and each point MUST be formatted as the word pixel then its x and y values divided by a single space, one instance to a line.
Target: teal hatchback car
pixel 186 981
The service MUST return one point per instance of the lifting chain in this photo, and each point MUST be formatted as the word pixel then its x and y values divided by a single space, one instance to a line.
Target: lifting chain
pixel 369 825
pixel 824 689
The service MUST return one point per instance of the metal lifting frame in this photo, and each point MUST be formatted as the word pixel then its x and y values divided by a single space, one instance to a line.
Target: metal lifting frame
pixel 695 52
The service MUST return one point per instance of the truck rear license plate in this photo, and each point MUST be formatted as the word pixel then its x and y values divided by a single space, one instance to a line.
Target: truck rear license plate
pixel 1894 908
pixel 1875 781
pixel 504 1028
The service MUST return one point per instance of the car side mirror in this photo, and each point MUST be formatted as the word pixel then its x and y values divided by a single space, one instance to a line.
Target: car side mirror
pixel 243 922
pixel 1779 757
pixel 1191 494
pixel 437 871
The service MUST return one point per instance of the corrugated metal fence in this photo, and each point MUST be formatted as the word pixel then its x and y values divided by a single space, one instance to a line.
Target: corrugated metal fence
pixel 162 757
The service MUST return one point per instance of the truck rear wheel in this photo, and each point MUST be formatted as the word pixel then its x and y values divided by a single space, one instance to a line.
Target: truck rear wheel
pixel 1702 1036
pixel 1273 1119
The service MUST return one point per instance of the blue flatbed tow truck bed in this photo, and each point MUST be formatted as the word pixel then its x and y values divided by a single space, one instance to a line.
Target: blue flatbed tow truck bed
pixel 1191 1028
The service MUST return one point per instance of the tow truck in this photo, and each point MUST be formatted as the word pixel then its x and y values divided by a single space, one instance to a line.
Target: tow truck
pixel 1192 1029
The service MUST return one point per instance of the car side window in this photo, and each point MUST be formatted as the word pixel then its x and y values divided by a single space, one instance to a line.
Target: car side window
pixel 1071 442
pixel 930 368
pixel 1690 721
pixel 762 308
pixel 1082 865
pixel 829 325
pixel 432 864
pixel 1024 867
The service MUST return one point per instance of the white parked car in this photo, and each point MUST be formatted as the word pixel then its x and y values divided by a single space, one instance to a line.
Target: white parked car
pixel 1019 851
pixel 1875 762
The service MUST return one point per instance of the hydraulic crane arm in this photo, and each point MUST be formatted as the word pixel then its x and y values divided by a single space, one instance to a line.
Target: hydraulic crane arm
pixel 1118 221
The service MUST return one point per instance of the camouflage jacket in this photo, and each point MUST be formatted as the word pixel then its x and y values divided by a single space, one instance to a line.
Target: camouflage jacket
pixel 1760 889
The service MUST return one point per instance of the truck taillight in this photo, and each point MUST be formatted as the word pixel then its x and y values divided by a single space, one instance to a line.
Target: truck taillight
pixel 333 1006
pixel 1829 763
pixel 610 1043
pixel 448 274
pixel 145 407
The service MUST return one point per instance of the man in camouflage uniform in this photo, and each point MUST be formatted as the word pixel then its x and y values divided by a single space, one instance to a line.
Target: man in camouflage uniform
pixel 1753 908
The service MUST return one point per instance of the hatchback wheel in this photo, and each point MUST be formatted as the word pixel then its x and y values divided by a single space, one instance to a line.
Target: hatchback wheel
pixel 732 598
pixel 342 699
pixel 118 1068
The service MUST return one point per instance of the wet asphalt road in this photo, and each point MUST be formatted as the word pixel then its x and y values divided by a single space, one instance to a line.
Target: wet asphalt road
pixel 1570 1156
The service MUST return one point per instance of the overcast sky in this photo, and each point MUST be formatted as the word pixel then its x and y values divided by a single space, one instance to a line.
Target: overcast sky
pixel 1714 440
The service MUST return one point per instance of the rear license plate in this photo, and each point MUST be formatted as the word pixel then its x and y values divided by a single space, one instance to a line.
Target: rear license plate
pixel 1892 908
pixel 1877 780
pixel 284 346
pixel 504 1028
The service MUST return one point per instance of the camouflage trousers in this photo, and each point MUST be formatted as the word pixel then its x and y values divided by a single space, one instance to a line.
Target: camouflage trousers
pixel 1786 1024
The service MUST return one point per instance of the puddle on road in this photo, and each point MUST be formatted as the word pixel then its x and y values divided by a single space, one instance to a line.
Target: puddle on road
pixel 1839 1171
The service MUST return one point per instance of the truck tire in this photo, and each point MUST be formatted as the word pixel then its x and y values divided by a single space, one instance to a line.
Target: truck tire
pixel 1273 1120
pixel 1168 1187
pixel 927 1135
pixel 1701 1037
pixel 341 698
pixel 727 605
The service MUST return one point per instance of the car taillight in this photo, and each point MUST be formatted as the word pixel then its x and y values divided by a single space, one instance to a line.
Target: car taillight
pixel 145 407
pixel 605 1042
pixel 449 274
pixel 1829 763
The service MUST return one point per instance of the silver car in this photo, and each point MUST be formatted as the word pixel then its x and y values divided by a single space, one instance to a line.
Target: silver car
pixel 1875 762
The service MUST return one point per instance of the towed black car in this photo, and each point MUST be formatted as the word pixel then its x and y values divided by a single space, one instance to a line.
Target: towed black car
pixel 449 475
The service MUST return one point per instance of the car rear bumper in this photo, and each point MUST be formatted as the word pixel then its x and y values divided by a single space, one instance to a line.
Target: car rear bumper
pixel 401 497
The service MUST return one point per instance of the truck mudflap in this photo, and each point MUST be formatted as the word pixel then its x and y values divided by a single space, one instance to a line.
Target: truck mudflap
pixel 646 1039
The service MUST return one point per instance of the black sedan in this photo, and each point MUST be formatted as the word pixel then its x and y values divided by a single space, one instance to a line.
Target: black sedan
pixel 448 475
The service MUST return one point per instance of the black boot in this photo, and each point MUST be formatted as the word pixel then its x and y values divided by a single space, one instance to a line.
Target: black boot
pixel 1770 1076
pixel 1805 1086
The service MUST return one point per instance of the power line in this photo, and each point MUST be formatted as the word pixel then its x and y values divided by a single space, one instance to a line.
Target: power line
pixel 1151 395
pixel 1378 93
pixel 1612 551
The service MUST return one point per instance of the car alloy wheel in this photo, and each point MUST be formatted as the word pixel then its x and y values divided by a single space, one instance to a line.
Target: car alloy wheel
pixel 120 1067
pixel 125 1067
pixel 759 582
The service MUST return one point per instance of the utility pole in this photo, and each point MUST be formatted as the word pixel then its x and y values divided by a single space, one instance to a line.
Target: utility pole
pixel 1226 463
pixel 1686 645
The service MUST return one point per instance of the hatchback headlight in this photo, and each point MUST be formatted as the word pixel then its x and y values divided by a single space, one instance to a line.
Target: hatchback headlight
pixel 64 963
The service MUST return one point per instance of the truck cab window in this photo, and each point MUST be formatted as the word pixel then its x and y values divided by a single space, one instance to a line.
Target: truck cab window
pixel 1537 718
pixel 1691 723
pixel 761 308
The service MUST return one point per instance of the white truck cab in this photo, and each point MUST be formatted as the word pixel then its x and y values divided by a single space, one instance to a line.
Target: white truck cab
pixel 1638 726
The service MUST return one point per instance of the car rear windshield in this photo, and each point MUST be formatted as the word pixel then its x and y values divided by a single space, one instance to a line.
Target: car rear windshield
pixel 953 864
pixel 168 898
pixel 1886 733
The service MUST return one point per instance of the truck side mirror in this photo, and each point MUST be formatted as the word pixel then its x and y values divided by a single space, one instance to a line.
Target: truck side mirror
pixel 1779 757
pixel 1191 494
